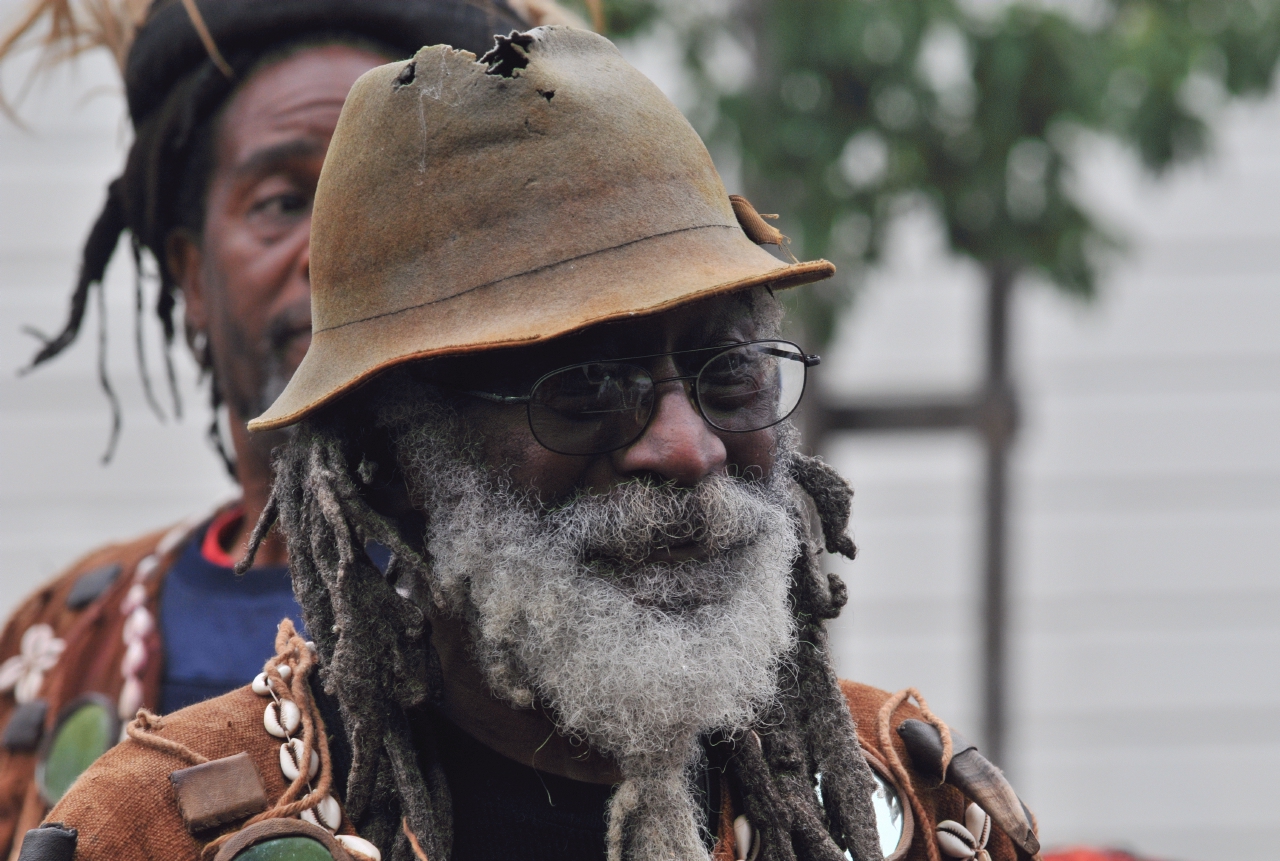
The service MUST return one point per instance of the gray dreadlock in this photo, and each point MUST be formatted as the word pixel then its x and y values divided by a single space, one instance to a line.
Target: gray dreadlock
pixel 378 663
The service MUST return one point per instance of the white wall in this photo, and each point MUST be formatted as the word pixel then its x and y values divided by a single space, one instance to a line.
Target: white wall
pixel 1146 520
pixel 1146 485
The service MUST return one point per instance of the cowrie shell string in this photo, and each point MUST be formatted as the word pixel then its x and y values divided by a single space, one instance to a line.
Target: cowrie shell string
pixel 291 754
pixel 281 719
pixel 139 623
pixel 360 848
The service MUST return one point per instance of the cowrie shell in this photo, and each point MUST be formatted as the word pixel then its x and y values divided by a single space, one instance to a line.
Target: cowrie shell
pixel 360 848
pixel 979 825
pixel 130 699
pixel 291 754
pixel 281 718
pixel 138 624
pixel 171 539
pixel 135 597
pixel 327 813
pixel 146 565
pixel 742 837
pixel 261 685
pixel 285 671
pixel 955 841
pixel 135 658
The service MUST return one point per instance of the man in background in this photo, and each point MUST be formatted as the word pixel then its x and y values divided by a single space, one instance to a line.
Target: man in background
pixel 233 103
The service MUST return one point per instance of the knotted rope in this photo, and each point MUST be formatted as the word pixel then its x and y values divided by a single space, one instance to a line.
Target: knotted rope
pixel 145 723
pixel 883 726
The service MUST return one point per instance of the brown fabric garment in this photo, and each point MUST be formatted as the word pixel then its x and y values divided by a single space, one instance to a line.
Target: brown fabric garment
pixel 124 806
pixel 149 826
pixel 90 662
pixel 939 802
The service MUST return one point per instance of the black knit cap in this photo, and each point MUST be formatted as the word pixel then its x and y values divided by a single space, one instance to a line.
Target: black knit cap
pixel 168 46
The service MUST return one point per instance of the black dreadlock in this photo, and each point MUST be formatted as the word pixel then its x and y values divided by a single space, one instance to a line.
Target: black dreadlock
pixel 378 662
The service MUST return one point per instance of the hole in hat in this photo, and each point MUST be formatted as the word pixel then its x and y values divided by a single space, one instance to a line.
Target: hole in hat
pixel 406 75
pixel 508 54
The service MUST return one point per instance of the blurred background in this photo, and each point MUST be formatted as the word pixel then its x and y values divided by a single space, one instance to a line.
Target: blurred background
pixel 1051 366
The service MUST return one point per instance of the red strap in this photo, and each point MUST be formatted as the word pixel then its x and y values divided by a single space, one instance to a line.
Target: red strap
pixel 217 536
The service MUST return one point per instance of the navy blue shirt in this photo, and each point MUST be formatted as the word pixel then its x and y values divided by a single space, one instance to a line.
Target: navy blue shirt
pixel 218 629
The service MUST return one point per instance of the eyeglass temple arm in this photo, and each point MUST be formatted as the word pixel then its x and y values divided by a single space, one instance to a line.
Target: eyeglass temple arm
pixel 499 399
pixel 810 360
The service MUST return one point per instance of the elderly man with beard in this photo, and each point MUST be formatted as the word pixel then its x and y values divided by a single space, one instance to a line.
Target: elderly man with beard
pixel 546 374
pixel 233 103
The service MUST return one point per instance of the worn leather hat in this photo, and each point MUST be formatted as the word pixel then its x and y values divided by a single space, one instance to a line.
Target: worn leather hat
pixel 468 205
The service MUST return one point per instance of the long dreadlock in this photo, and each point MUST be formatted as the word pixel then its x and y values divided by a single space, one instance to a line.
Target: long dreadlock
pixel 374 645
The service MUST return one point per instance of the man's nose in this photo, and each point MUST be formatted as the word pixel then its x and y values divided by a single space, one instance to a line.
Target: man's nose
pixel 678 445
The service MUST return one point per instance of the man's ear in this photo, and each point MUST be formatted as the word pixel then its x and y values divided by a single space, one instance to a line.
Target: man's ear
pixel 185 261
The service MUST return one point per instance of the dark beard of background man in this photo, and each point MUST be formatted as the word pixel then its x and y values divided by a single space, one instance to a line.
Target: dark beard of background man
pixel 251 371
pixel 639 658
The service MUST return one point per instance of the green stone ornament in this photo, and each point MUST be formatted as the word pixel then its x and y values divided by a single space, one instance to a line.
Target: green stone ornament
pixel 294 848
pixel 283 840
pixel 86 729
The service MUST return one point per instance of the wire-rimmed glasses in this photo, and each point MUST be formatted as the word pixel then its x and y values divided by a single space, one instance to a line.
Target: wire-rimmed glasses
pixel 598 407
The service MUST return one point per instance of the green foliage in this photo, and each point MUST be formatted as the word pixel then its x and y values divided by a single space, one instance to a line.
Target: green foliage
pixel 622 18
pixel 851 107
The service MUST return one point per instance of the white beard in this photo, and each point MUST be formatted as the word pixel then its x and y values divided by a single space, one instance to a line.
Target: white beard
pixel 637 658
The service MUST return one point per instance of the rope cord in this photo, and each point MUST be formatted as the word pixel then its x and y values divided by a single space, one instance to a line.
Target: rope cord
pixel 146 723
pixel 413 840
pixel 883 721
pixel 206 38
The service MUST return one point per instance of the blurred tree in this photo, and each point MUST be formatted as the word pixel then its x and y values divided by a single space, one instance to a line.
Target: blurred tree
pixel 842 110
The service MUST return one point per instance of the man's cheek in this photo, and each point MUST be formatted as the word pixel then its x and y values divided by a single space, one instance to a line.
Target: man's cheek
pixel 502 434
pixel 527 464
pixel 531 467
pixel 751 455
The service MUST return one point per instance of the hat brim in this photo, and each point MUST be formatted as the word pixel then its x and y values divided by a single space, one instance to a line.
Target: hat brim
pixel 640 278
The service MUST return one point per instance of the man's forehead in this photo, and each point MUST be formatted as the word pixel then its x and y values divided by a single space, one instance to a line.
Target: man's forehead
pixel 298 97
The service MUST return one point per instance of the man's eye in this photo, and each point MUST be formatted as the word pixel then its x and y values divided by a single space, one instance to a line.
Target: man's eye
pixel 274 216
pixel 290 203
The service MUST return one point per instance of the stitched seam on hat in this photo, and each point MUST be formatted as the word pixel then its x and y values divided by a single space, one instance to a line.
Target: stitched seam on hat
pixel 522 274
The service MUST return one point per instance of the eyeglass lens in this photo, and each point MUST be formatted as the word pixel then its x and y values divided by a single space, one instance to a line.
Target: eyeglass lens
pixel 602 406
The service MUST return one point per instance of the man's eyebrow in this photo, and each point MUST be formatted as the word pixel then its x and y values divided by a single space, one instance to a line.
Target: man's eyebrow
pixel 266 159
